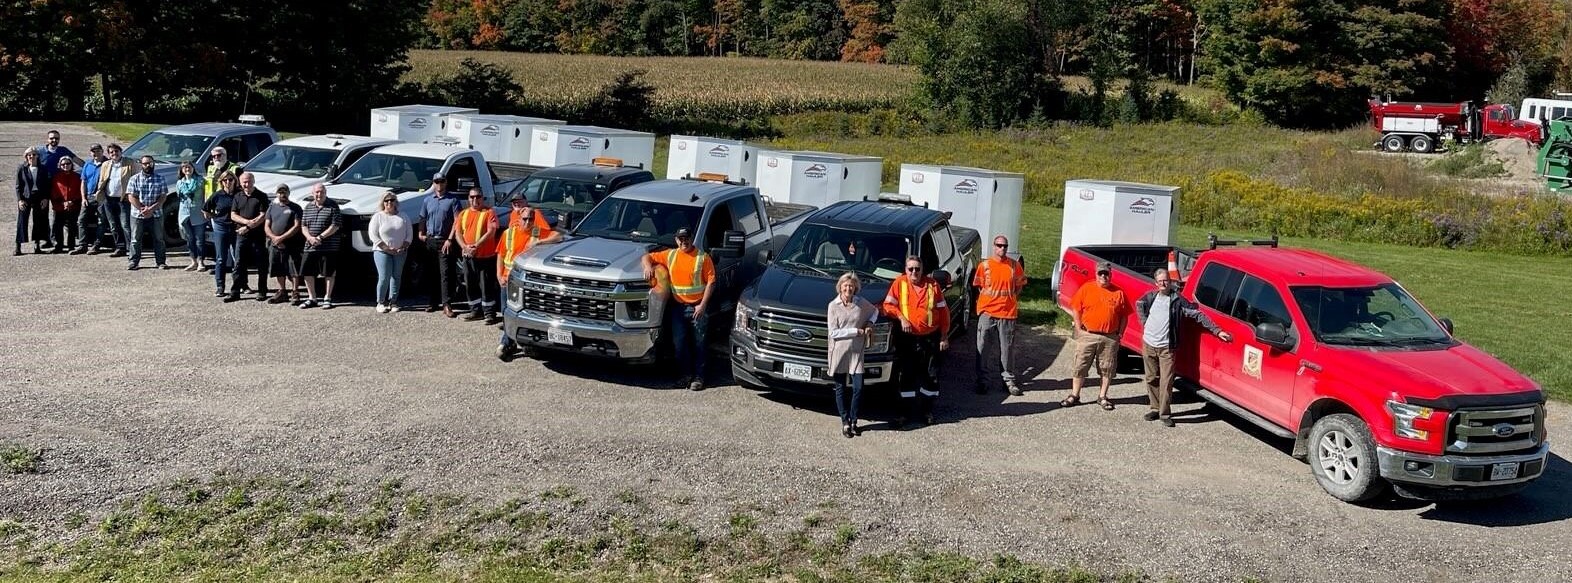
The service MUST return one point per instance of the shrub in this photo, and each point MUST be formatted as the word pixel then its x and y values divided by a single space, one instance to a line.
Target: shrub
pixel 624 102
pixel 1469 162
pixel 486 86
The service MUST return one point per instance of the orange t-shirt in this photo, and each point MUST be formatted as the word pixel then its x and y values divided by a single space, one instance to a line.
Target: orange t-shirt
pixel 999 286
pixel 1101 310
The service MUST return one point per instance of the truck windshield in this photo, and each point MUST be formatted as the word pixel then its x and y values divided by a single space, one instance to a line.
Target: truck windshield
pixel 293 160
pixel 166 148
pixel 639 220
pixel 567 197
pixel 1384 315
pixel 832 251
pixel 391 172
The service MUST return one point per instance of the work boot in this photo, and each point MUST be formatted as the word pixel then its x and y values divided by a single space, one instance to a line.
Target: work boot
pixel 79 251
pixel 1010 386
pixel 696 385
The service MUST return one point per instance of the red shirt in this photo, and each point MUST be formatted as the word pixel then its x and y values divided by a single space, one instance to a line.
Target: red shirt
pixel 67 188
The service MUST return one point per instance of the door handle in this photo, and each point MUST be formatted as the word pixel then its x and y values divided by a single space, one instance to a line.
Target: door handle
pixel 1309 365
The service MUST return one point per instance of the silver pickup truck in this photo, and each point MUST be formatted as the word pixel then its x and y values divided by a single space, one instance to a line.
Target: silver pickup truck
pixel 587 294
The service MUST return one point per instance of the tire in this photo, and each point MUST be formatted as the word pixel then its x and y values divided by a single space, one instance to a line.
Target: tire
pixel 1393 143
pixel 1422 144
pixel 1343 458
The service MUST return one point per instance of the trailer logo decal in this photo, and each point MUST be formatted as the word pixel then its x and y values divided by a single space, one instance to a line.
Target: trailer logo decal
pixel 815 171
pixel 490 130
pixel 382 118
pixel 682 145
pixel 800 334
pixel 917 178
pixel 1143 206
pixel 418 123
pixel 771 162
pixel 579 143
pixel 540 136
pixel 1088 194
pixel 720 151
pixel 1252 362
pixel 967 186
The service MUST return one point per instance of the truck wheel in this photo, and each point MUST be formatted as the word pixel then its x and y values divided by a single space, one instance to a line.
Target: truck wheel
pixel 1392 143
pixel 1422 144
pixel 1343 458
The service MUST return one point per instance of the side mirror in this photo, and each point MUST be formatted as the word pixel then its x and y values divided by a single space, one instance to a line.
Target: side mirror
pixel 732 244
pixel 332 172
pixel 766 256
pixel 943 277
pixel 1446 324
pixel 1274 335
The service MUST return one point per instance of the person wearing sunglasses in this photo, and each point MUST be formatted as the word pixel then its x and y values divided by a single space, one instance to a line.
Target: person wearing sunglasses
pixel 998 280
pixel 916 300
pixel 474 233
pixel 390 235
pixel 217 209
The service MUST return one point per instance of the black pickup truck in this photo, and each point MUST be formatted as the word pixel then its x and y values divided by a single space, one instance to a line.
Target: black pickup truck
pixel 779 339
pixel 571 190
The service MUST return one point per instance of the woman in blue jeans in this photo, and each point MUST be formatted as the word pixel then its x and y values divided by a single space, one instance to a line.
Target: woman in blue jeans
pixel 217 209
pixel 850 321
pixel 390 236
pixel 193 223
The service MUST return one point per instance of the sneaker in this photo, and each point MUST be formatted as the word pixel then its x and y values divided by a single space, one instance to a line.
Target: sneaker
pixel 308 304
pixel 163 267
pixel 327 303
pixel 96 251
pixel 132 267
pixel 1014 389
pixel 382 308
pixel 118 253
pixel 393 307
pixel 79 251
pixel 218 293
pixel 503 352
pixel 1150 416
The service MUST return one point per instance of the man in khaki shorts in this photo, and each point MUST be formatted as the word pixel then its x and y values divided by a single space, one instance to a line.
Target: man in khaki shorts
pixel 1099 311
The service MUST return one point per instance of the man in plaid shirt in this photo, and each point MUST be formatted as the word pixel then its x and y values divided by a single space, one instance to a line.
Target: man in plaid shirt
pixel 145 195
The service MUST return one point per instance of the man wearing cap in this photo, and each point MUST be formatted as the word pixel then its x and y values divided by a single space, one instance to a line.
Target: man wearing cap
pixel 916 300
pixel 692 281
pixel 87 221
pixel 998 280
pixel 1161 311
pixel 435 228
pixel 527 227
pixel 1098 312
pixel 474 233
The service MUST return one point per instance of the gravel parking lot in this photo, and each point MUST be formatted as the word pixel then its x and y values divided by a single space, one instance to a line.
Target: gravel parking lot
pixel 131 380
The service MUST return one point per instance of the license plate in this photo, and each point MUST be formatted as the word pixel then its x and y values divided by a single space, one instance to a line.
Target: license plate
pixel 1504 471
pixel 558 336
pixel 797 372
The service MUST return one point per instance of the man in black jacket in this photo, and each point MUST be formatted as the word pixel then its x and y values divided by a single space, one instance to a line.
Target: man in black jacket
pixel 1161 311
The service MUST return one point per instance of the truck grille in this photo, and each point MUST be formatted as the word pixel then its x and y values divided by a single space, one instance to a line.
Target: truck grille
pixel 568 296
pixel 1496 431
pixel 587 284
pixel 773 331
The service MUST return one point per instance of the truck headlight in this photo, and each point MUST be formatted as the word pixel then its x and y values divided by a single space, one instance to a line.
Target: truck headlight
pixel 639 310
pixel 515 294
pixel 881 337
pixel 744 317
pixel 1404 418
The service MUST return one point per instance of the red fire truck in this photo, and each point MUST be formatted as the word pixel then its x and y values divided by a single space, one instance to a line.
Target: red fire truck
pixel 1420 126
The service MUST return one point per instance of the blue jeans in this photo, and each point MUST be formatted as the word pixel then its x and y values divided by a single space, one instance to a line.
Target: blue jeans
pixel 113 214
pixel 196 238
pixel 687 336
pixel 389 269
pixel 224 253
pixel 848 410
pixel 506 342
pixel 143 231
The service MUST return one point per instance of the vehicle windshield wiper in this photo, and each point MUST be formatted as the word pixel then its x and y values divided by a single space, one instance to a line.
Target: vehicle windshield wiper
pixel 1419 340
pixel 808 267
pixel 1358 341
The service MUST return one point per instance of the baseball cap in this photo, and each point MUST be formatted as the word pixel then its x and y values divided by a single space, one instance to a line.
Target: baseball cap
pixel 683 233
pixel 437 176
pixel 94 148
pixel 1104 267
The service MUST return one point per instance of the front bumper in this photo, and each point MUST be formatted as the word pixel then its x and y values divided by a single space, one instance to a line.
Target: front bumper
pixel 765 369
pixel 1457 470
pixel 590 337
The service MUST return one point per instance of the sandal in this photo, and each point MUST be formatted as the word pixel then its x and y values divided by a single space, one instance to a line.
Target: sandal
pixel 1070 401
pixel 1107 405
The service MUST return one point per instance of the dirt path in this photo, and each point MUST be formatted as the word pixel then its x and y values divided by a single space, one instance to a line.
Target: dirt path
pixel 132 380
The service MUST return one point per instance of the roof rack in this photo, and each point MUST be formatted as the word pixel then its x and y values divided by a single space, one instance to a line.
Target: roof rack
pixel 716 177
pixel 1212 242
pixel 892 197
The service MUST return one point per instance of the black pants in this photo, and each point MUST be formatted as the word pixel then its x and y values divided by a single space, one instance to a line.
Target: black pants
pixel 250 253
pixel 87 224
pixel 37 210
pixel 480 284
pixel 916 368
pixel 440 289
pixel 64 228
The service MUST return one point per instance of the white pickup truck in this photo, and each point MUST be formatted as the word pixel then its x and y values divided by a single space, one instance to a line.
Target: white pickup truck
pixel 303 162
pixel 406 169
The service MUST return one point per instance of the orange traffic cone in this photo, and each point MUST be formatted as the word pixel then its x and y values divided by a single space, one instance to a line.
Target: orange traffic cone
pixel 1173 266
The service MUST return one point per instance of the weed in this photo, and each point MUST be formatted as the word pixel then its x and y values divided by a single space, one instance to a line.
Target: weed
pixel 742 524
pixel 16 459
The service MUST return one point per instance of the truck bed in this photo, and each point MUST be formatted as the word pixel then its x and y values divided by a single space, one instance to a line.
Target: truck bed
pixel 1140 260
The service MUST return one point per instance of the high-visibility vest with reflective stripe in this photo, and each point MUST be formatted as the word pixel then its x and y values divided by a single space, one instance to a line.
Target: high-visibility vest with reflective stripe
pixel 472 224
pixel 995 289
pixel 511 245
pixel 213 172
pixel 906 304
pixel 693 291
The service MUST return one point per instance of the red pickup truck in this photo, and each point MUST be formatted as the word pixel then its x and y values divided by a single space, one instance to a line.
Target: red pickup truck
pixel 1373 389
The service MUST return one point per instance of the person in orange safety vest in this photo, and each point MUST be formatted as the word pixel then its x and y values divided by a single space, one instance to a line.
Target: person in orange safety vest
pixel 475 231
pixel 527 227
pixel 998 280
pixel 917 302
pixel 692 276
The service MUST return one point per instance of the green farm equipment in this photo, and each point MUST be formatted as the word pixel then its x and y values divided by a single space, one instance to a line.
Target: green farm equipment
pixel 1555 157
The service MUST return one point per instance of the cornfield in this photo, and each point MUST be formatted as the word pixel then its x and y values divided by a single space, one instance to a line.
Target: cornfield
pixel 702 87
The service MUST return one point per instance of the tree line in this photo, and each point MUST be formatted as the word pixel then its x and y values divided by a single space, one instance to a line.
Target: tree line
pixel 985 63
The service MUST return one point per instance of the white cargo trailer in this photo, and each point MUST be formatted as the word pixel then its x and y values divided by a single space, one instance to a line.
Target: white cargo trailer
pixel 982 199
pixel 500 138
pixel 413 123
pixel 695 155
pixel 818 178
pixel 559 145
pixel 1106 212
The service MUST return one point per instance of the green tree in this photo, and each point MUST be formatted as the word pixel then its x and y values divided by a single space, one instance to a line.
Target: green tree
pixel 806 29
pixel 976 58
